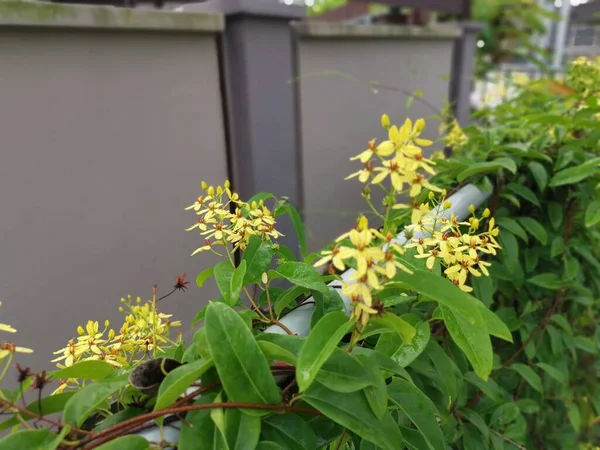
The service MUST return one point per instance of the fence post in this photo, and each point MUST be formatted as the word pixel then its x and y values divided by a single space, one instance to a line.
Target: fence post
pixel 257 67
pixel 463 70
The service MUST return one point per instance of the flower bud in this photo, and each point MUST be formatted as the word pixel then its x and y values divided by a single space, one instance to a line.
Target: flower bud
pixel 219 190
pixel 419 125
pixel 211 190
pixel 264 278
pixel 106 323
pixel 486 213
pixel 363 223
pixel 204 185
pixel 471 209
pixel 447 204
pixel 385 121
pixel 431 195
pixel 227 184
pixel 121 309
pixel 80 330
pixel 475 224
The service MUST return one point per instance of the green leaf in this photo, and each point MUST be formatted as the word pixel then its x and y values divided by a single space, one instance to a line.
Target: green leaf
pixel 121 416
pixel 505 223
pixel 343 373
pixel 376 392
pixel 476 420
pixel 510 253
pixel 419 409
pixel 558 246
pixel 585 344
pixel 352 411
pixel 440 290
pixel 528 406
pixel 524 192
pixel 444 366
pixel 540 175
pixel 504 414
pixel 242 367
pixel 393 322
pixel 534 228
pixel 48 405
pixel 243 430
pixel 489 387
pixel 87 370
pixel 237 283
pixel 319 345
pixel 532 378
pixel 391 345
pixel 290 431
pixel 179 380
pixel 223 274
pixel 27 439
pixel 487 167
pixel 562 322
pixel 553 372
pixel 286 298
pixel 126 442
pixel 85 401
pixel 274 352
pixel 573 175
pixel 574 415
pixel 572 268
pixel 548 280
pixel 199 431
pixel 266 445
pixel 555 213
pixel 592 214
pixel 298 227
pixel 203 276
pixel 494 324
pixel 258 256
pixel 473 339
pixel 300 274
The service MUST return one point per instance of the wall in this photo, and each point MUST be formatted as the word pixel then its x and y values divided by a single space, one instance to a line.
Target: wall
pixel 109 121
pixel 340 111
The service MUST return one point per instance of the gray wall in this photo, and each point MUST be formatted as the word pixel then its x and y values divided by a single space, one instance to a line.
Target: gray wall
pixel 106 135
pixel 340 112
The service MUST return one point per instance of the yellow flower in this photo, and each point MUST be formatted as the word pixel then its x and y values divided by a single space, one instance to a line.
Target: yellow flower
pixel 386 148
pixel 393 168
pixel 418 183
pixel 364 174
pixel 6 348
pixel 333 256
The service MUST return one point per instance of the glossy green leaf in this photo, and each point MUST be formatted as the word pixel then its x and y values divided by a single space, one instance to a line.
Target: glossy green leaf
pixel 592 214
pixel 287 297
pixel 528 406
pixel 179 380
pixel 574 415
pixel 548 280
pixel 375 392
pixel 535 229
pixel 300 274
pixel 319 346
pixel 267 445
pixel 352 411
pixel 405 330
pixel 555 213
pixel 489 387
pixel 289 430
pixel 343 372
pixel 274 352
pixel 573 175
pixel 242 430
pixel 258 256
pixel 504 414
pixel 298 227
pixel 524 192
pixel 562 322
pixel 237 283
pixel 85 401
pixel 572 268
pixel 510 253
pixel 203 276
pixel 440 290
pixel 553 372
pixel 506 223
pixel 494 324
pixel 487 167
pixel 121 416
pixel 444 366
pixel 199 431
pixel 419 409
pixel 126 442
pixel 242 367
pixel 391 345
pixel 585 344
pixel 473 339
pixel 476 420
pixel 557 247
pixel 529 375
pixel 540 175
pixel 48 405
pixel 27 439
pixel 89 370
pixel 223 272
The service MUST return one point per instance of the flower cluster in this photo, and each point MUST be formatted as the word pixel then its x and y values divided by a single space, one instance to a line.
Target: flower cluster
pixel 144 330
pixel 219 226
pixel 583 75
pixel 400 158
pixel 439 238
pixel 10 348
pixel 455 137
pixel 375 257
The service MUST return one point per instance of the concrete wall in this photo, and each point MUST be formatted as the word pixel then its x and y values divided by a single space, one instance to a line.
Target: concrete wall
pixel 340 110
pixel 106 134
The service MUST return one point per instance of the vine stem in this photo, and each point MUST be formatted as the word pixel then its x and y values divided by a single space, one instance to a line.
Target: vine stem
pixel 106 435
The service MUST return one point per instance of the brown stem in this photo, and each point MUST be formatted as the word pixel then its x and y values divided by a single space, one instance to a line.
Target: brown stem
pixel 341 441
pixel 108 434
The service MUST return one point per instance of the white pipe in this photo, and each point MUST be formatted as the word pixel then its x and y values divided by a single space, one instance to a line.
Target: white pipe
pixel 298 321
pixel 560 40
